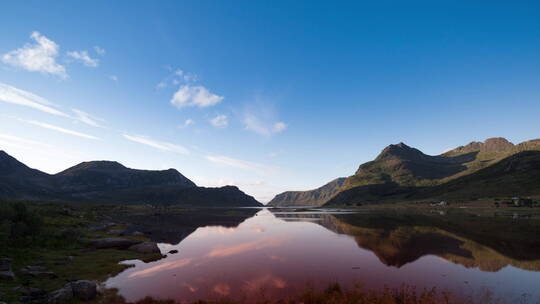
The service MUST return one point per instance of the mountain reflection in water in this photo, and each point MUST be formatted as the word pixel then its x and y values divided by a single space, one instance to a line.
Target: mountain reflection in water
pixel 276 254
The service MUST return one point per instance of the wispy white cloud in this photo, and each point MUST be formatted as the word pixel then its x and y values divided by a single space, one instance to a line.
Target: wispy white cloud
pixel 20 97
pixel 164 146
pixel 113 78
pixel 11 140
pixel 220 182
pixel 87 118
pixel 220 121
pixel 99 51
pixel 255 124
pixel 177 77
pixel 187 123
pixel 84 58
pixel 59 129
pixel 231 162
pixel 194 96
pixel 279 127
pixel 37 57
pixel 242 164
pixel 188 77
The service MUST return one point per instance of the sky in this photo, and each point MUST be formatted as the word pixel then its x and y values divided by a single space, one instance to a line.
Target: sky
pixel 265 95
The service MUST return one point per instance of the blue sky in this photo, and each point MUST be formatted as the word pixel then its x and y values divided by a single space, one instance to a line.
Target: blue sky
pixel 266 95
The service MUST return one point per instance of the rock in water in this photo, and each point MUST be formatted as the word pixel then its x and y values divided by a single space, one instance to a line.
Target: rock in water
pixel 145 248
pixel 114 243
pixel 5 270
pixel 84 290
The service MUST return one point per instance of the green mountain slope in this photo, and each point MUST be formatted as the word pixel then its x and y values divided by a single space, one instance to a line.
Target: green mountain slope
pixel 404 173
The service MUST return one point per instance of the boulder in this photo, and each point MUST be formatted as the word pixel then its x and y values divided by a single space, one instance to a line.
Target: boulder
pixel 84 290
pixel 33 268
pixel 5 270
pixel 65 261
pixel 117 232
pixel 145 248
pixel 114 243
pixel 33 292
pixel 173 251
pixel 100 226
pixel 63 295
pixel 39 272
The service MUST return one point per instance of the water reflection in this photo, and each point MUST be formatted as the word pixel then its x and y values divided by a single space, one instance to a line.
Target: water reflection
pixel 272 255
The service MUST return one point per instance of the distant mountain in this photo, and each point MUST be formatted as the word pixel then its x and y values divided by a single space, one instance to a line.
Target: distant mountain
pixel 403 173
pixel 17 178
pixel 108 175
pixel 111 182
pixel 313 198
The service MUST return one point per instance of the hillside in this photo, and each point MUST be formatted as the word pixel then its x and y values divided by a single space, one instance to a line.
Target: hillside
pixel 313 198
pixel 475 170
pixel 111 182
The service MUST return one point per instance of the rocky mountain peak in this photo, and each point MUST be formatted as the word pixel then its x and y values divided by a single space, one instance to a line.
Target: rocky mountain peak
pixel 400 150
pixel 494 144
pixel 98 165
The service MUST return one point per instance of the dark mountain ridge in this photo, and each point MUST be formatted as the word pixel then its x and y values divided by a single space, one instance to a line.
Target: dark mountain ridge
pixel 111 182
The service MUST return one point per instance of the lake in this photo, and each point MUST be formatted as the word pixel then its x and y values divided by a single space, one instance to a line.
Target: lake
pixel 277 253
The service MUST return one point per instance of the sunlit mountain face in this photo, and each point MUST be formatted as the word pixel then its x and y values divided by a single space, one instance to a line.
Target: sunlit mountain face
pixel 278 254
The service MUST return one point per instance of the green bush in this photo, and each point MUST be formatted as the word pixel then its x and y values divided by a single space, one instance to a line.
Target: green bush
pixel 19 226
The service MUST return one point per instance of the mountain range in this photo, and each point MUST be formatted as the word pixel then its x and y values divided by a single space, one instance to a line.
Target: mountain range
pixel 495 167
pixel 111 182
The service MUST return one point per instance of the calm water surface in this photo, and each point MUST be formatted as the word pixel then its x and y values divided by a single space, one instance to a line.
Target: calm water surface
pixel 273 255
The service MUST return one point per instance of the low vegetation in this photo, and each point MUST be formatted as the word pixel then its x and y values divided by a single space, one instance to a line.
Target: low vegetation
pixel 55 236
pixel 335 294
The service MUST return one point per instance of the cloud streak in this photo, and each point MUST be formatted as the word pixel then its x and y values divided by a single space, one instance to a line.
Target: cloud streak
pixel 37 57
pixel 87 118
pixel 164 146
pixel 241 164
pixel 20 97
pixel 60 129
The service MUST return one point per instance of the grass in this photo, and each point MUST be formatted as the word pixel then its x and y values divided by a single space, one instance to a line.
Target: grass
pixel 62 233
pixel 335 294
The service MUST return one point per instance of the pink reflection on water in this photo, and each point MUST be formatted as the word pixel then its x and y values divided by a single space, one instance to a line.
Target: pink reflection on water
pixel 268 258
pixel 223 251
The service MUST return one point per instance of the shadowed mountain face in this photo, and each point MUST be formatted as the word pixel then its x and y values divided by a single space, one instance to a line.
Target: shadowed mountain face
pixel 111 182
pixel 403 173
pixel 314 198
pixel 108 175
